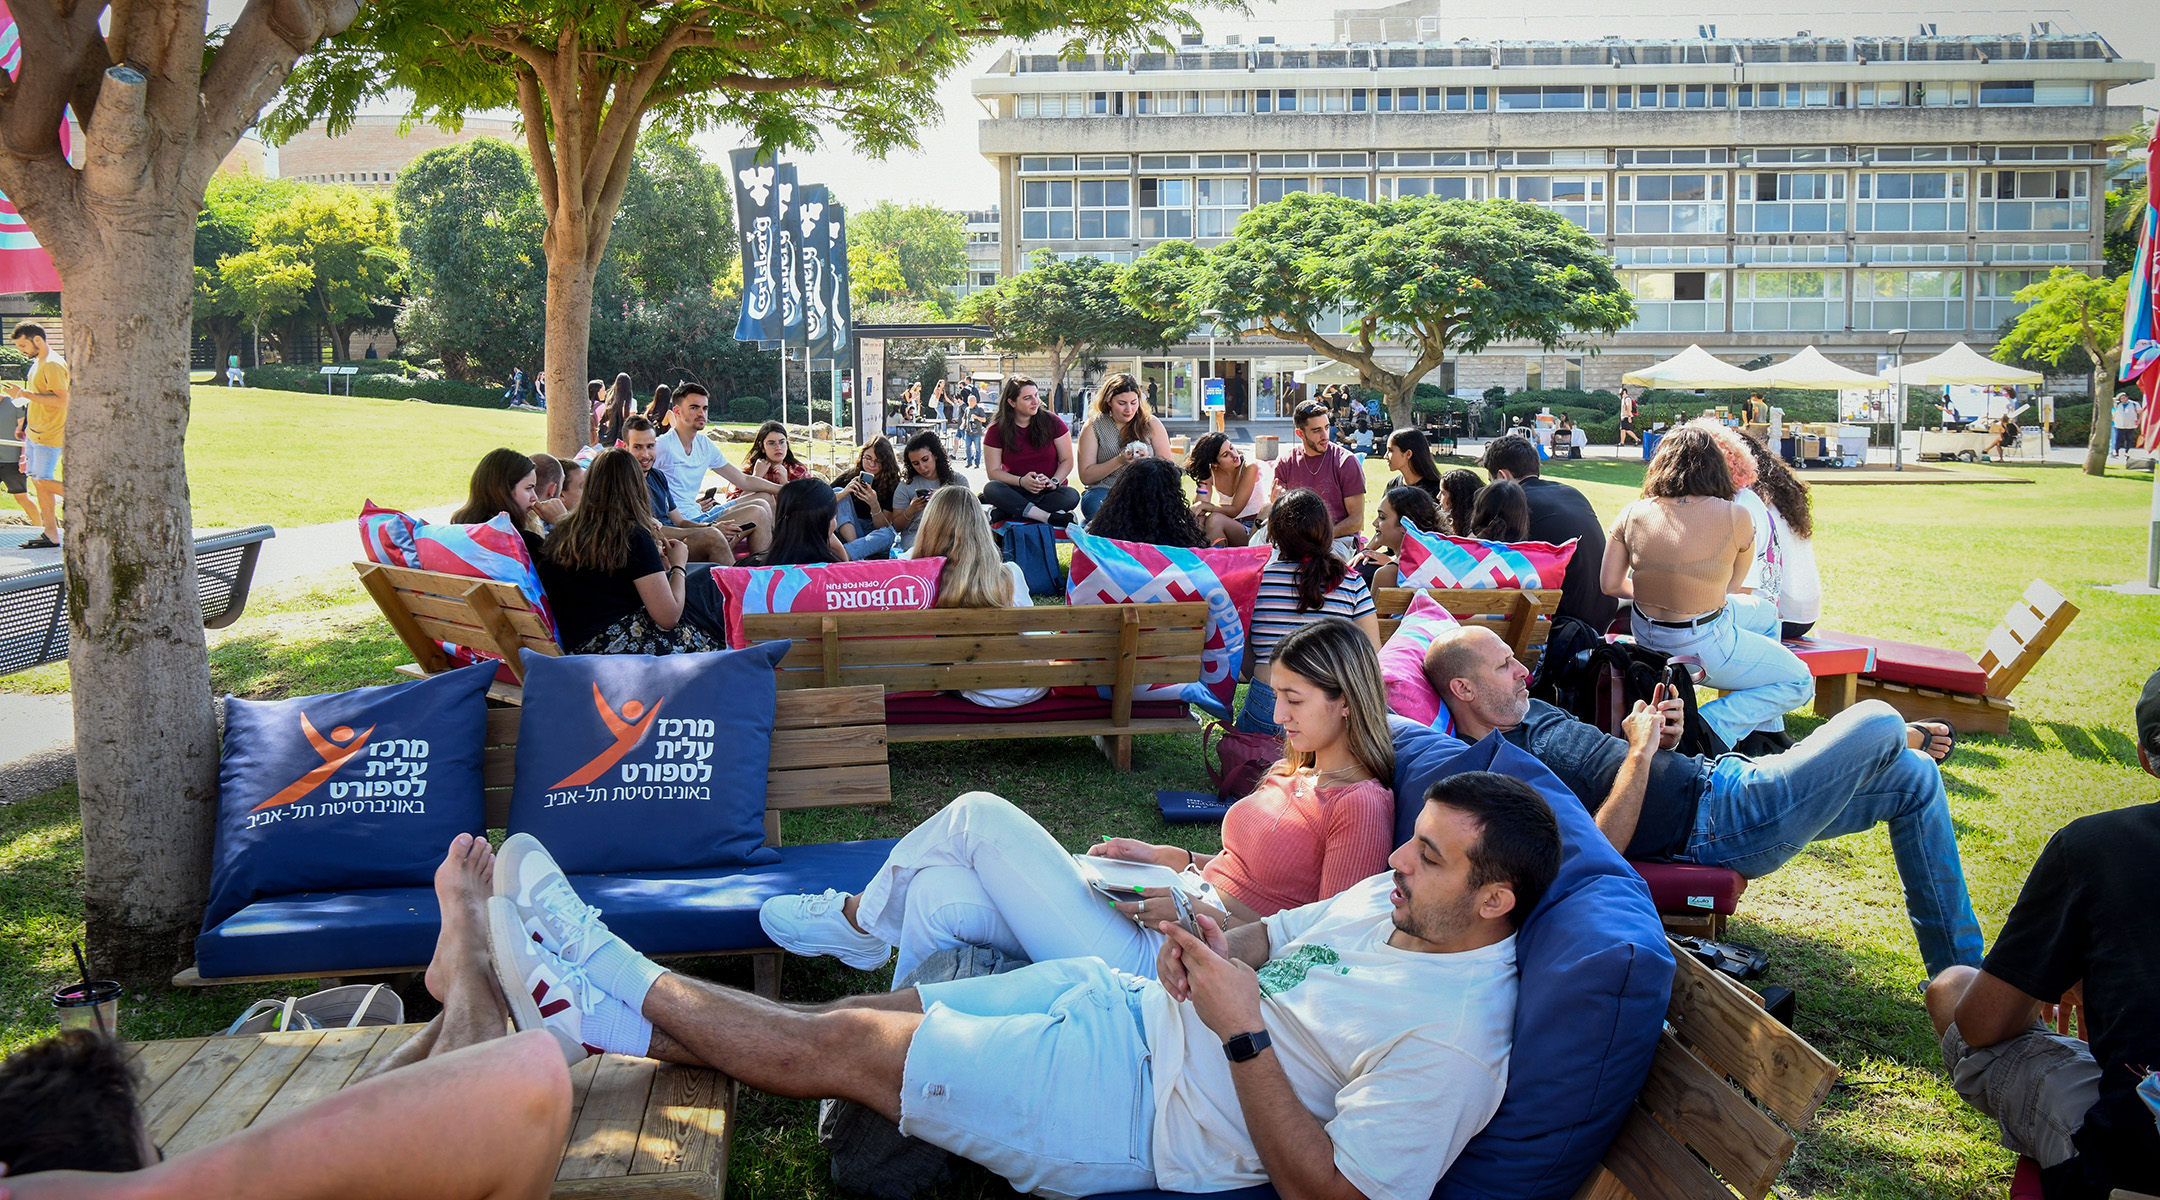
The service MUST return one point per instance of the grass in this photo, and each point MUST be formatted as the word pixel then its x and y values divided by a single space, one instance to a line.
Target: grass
pixel 1937 565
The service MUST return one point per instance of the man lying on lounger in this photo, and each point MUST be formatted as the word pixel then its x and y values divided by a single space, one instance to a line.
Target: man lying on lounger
pixel 463 1110
pixel 1346 1048
pixel 1864 767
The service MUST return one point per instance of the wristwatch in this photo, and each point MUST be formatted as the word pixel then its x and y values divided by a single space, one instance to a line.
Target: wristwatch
pixel 1246 1046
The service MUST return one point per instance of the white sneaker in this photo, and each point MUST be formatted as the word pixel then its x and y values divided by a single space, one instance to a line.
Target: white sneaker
pixel 544 992
pixel 816 925
pixel 549 908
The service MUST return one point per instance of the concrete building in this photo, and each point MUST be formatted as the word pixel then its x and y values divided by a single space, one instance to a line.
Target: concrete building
pixel 985 265
pixel 1757 195
pixel 373 151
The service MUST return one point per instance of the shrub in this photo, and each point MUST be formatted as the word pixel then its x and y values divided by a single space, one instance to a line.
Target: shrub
pixel 747 410
pixel 1495 394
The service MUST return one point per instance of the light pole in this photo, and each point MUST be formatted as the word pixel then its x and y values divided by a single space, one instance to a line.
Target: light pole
pixel 1213 315
pixel 1897 371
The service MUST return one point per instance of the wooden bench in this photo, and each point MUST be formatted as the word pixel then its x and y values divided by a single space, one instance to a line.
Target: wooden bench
pixel 1979 701
pixel 1523 619
pixel 637 1128
pixel 1728 1085
pixel 428 608
pixel 828 749
pixel 1118 646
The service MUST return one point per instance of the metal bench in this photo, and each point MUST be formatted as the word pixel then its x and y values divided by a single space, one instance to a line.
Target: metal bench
pixel 33 598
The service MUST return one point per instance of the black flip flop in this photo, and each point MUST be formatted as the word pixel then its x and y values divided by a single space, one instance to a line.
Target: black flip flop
pixel 40 542
pixel 1928 738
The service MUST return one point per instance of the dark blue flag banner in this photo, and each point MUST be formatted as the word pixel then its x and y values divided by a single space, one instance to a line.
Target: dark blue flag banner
pixel 787 201
pixel 812 264
pixel 753 182
pixel 843 312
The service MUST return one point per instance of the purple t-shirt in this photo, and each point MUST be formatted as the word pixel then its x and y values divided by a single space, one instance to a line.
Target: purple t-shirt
pixel 1026 457
pixel 1334 474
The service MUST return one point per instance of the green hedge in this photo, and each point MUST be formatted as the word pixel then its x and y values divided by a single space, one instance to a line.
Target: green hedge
pixel 385 378
pixel 748 410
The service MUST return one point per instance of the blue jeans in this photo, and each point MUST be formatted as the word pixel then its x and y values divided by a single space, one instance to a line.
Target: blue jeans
pixel 1258 715
pixel 1847 777
pixel 1091 500
pixel 1760 679
pixel 972 440
pixel 872 540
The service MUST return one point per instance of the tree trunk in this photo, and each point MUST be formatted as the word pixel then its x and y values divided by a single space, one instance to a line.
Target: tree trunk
pixel 2102 436
pixel 146 739
pixel 221 348
pixel 569 330
pixel 1402 403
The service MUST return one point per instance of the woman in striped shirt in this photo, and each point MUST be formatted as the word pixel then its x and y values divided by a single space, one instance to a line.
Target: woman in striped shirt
pixel 982 872
pixel 1303 583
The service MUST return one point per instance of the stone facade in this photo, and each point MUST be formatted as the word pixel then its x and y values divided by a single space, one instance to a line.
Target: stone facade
pixel 373 151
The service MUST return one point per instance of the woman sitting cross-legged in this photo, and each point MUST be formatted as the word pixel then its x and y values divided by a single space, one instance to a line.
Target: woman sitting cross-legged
pixel 927 471
pixel 865 493
pixel 1230 500
pixel 1147 504
pixel 1028 455
pixel 1122 432
pixel 982 872
pixel 615 587
pixel 1304 583
pixel 975 575
pixel 1404 504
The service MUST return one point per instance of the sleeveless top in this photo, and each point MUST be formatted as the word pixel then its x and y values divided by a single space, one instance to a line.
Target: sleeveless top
pixel 1105 451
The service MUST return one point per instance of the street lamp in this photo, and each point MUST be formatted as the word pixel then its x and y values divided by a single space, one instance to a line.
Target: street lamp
pixel 1213 315
pixel 1897 370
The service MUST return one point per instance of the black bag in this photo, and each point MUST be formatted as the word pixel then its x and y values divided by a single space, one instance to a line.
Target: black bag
pixel 1601 684
pixel 1034 547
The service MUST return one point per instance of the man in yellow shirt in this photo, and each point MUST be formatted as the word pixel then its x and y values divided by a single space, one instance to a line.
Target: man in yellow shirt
pixel 47 395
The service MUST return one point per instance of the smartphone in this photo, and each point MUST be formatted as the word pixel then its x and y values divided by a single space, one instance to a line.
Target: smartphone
pixel 1184 914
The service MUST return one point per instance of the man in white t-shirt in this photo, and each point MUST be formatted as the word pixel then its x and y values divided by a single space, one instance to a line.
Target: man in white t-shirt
pixel 2126 426
pixel 1349 1047
pixel 685 454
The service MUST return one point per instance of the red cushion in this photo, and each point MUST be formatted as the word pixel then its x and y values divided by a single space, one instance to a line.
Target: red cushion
pixel 1919 666
pixel 941 708
pixel 2025 1184
pixel 1689 888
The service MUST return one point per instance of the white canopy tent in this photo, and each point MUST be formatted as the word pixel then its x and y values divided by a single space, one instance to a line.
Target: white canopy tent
pixel 1692 368
pixel 1960 364
pixel 1809 370
pixel 1331 371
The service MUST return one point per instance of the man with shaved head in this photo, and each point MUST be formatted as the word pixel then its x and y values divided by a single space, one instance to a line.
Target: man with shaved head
pixel 1860 769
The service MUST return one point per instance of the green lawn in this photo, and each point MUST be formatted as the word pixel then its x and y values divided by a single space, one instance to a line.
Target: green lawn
pixel 1936 564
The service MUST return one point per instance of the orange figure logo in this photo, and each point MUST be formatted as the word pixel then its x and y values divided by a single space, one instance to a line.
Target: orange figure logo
pixel 627 736
pixel 336 750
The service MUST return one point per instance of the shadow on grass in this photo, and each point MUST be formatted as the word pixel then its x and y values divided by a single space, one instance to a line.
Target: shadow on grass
pixel 2095 743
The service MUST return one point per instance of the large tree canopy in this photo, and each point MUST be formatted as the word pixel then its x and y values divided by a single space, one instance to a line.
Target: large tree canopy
pixel 1068 309
pixel 586 76
pixel 1341 277
pixel 2071 311
pixel 905 252
pixel 470 222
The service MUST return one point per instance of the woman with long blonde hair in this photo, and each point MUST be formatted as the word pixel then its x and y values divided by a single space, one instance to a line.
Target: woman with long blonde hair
pixel 975 574
pixel 983 872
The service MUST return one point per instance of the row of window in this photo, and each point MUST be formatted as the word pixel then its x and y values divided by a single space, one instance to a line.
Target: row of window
pixel 1768 301
pixel 1525 98
pixel 350 177
pixel 1087 164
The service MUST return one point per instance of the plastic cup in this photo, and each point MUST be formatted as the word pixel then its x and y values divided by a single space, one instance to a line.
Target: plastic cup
pixel 94 1006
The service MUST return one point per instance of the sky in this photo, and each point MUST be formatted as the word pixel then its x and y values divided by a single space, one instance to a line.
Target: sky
pixel 950 172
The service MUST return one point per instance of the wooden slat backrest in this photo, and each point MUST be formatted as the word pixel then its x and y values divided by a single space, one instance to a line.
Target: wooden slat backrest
pixel 1694 1132
pixel 828 748
pixel 1087 645
pixel 428 607
pixel 2033 623
pixel 1521 618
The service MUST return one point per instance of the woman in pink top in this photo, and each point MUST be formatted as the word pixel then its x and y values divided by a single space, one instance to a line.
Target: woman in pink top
pixel 982 872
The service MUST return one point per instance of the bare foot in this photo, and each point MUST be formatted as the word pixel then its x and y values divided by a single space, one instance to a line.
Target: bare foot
pixel 1933 738
pixel 463 884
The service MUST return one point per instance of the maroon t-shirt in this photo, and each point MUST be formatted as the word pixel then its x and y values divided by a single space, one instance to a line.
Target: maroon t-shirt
pixel 1334 474
pixel 1026 457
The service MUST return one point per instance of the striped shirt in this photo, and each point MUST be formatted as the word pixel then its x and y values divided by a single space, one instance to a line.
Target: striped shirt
pixel 1275 613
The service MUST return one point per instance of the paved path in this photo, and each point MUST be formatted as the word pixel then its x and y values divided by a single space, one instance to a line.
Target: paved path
pixel 37 744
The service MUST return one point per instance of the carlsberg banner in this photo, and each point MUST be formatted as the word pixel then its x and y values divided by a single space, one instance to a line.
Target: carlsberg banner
pixel 754 200
pixel 794 260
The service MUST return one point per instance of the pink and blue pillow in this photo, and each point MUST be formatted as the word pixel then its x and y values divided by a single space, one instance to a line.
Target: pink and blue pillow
pixel 1402 665
pixel 1441 560
pixel 1226 578
pixel 897 585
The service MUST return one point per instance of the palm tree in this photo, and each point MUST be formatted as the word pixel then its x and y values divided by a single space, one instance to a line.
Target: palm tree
pixel 2131 145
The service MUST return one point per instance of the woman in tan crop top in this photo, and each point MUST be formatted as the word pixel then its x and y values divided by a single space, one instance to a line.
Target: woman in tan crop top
pixel 1682 554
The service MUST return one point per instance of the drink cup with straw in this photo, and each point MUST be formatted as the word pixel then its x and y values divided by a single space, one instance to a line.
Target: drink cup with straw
pixel 92 1004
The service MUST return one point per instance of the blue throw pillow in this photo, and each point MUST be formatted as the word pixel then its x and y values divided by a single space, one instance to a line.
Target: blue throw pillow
pixel 630 762
pixel 1596 978
pixel 358 789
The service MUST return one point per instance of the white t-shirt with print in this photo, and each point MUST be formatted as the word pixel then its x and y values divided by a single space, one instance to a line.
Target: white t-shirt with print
pixel 1402 1056
pixel 685 469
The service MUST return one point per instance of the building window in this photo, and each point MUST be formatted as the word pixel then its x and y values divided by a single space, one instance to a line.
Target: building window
pixel 1220 103
pixel 1791 202
pixel 1684 301
pixel 1670 204
pixel 1461 99
pixel 1773 300
pixel 1275 100
pixel 1533 374
pixel 1106 208
pixel 1348 186
pixel 1520 98
pixel 1579 200
pixel 1995 296
pixel 1909 299
pixel 1444 187
pixel 1272 190
pixel 1046 209
pixel 1166 208
pixel 1918 201
pixel 1035 164
pixel 1218 203
pixel 1574 374
pixel 2034 200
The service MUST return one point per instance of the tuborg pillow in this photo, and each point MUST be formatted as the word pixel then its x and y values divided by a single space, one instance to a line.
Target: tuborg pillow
pixel 358 789
pixel 647 763
pixel 387 536
pixel 1227 578
pixel 1402 664
pixel 896 585
pixel 1439 560
pixel 1596 977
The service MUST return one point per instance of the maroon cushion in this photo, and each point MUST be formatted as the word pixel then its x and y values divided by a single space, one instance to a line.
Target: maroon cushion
pixel 1918 666
pixel 939 708
pixel 1689 888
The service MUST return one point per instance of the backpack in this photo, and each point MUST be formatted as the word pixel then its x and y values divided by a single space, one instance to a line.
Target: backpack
pixel 1601 684
pixel 1034 548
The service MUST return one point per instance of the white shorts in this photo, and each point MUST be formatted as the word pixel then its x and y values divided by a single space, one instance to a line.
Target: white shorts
pixel 1040 1075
